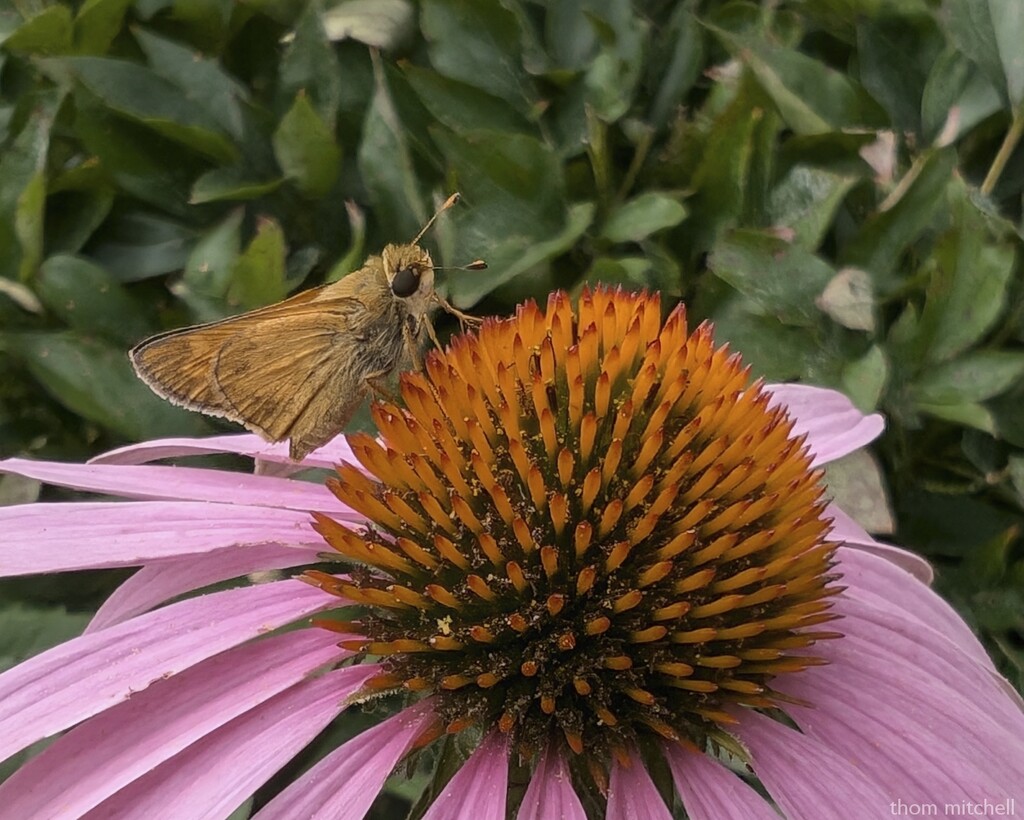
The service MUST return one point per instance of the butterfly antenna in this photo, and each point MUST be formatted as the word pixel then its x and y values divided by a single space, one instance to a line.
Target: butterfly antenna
pixel 476 264
pixel 464 318
pixel 447 204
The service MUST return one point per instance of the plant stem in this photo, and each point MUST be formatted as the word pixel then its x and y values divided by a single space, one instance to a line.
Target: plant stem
pixel 1005 150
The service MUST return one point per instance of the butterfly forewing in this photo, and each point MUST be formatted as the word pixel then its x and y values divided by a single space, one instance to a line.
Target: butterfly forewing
pixel 284 371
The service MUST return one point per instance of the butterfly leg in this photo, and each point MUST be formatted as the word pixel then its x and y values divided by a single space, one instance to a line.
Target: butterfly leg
pixel 411 335
pixel 430 332
pixel 377 383
pixel 464 318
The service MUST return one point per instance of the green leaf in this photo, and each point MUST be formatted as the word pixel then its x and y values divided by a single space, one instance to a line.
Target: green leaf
pixel 209 266
pixel 837 152
pixel 89 299
pixel 310 64
pixel 306 150
pixel 73 216
pixel 147 9
pixel 806 200
pixel 28 630
pixel 258 277
pixel 896 55
pixel 812 97
pixel 967 291
pixel 512 183
pixel 478 42
pixel 204 285
pixel 780 279
pixel 1009 419
pixel 971 378
pixel 642 216
pixel 460 106
pixel 1015 467
pixel 884 236
pixel 6 112
pixel 677 75
pixel 206 22
pixel 383 24
pixel 864 379
pixel 856 484
pixel 949 525
pixel 386 164
pixel 355 254
pixel 569 35
pixel 231 183
pixel 990 32
pixel 142 164
pixel 23 193
pixel 849 300
pixel 48 32
pixel 1008 21
pixel 199 79
pixel 95 380
pixel 631 271
pixel 721 180
pixel 137 92
pixel 610 81
pixel 139 245
pixel 243 812
pixel 97 23
pixel 16 489
pixel 955 84
pixel 774 351
pixel 9 22
pixel 966 414
pixel 517 255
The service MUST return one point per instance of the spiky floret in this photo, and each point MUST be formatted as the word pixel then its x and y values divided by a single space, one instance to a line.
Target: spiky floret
pixel 587 525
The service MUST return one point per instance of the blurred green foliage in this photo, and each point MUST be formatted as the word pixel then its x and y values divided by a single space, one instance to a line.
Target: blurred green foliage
pixel 837 184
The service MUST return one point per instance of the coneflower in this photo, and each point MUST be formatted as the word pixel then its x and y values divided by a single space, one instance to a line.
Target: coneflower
pixel 584 539
pixel 588 528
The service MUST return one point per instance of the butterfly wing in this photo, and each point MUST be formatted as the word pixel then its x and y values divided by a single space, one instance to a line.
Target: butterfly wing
pixel 294 370
pixel 306 395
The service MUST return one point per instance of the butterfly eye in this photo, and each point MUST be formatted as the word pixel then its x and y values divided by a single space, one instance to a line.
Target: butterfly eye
pixel 406 282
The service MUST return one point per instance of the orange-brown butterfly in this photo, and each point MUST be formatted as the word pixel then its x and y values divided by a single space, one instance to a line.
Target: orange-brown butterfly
pixel 299 369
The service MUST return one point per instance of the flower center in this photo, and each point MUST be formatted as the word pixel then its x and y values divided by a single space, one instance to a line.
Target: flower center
pixel 587 525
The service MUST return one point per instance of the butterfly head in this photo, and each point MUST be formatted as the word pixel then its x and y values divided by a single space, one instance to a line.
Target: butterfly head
pixel 410 274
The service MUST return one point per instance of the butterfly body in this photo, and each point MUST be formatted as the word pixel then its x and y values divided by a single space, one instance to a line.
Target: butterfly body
pixel 299 369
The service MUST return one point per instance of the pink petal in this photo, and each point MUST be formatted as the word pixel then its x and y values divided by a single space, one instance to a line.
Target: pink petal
pixel 852 534
pixel 104 754
pixel 84 676
pixel 215 775
pixel 57 537
pixel 179 483
pixel 632 794
pixel 807 778
pixel 346 782
pixel 246 444
pixel 550 795
pixel 910 758
pixel 479 789
pixel 904 665
pixel 710 791
pixel 834 427
pixel 162 580
pixel 871 575
pixel 897 690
